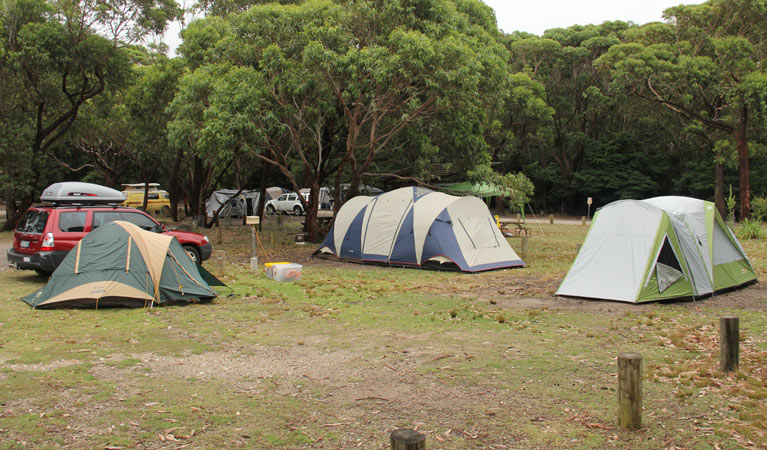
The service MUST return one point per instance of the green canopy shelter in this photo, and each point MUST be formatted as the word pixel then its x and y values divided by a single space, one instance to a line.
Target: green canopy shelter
pixel 476 189
pixel 119 264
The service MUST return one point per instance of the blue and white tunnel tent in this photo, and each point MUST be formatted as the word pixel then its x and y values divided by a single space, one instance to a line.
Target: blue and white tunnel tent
pixel 419 227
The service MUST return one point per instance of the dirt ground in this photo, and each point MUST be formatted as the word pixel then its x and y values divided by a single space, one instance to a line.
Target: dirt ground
pixel 380 391
pixel 5 244
pixel 519 289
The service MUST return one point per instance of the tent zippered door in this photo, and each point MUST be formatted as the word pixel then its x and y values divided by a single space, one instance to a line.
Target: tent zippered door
pixel 682 262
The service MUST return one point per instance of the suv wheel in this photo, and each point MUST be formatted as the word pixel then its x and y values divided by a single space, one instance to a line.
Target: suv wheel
pixel 193 253
pixel 297 210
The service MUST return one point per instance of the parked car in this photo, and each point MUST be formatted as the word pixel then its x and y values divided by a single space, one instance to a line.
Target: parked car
pixel 286 203
pixel 45 234
pixel 157 199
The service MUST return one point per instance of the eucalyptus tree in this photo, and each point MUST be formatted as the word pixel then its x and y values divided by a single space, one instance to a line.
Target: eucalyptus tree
pixel 55 57
pixel 322 88
pixel 707 67
pixel 96 148
pixel 146 106
pixel 409 62
pixel 561 108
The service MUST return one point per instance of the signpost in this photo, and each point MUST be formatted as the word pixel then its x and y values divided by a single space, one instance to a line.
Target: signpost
pixel 254 221
pixel 588 210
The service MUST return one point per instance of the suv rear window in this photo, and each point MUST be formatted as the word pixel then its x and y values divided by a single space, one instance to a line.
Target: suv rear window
pixel 33 221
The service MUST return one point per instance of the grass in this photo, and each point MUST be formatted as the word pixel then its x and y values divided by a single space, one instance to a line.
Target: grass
pixel 351 352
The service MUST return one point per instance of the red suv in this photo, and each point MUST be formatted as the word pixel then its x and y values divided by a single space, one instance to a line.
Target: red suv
pixel 45 234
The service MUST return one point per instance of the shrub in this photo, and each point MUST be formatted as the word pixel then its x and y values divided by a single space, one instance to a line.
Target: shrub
pixel 750 229
pixel 759 208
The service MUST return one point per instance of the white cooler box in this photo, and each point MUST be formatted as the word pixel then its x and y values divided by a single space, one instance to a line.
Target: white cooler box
pixel 286 272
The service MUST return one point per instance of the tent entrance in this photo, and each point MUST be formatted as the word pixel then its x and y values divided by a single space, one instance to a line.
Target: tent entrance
pixel 667 268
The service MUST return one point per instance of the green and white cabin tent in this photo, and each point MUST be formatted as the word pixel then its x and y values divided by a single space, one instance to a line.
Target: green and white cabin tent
pixel 119 264
pixel 417 227
pixel 657 249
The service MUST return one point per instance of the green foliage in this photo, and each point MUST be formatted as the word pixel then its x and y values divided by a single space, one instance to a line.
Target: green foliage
pixel 759 209
pixel 517 187
pixel 731 203
pixel 619 169
pixel 51 66
pixel 704 67
pixel 750 229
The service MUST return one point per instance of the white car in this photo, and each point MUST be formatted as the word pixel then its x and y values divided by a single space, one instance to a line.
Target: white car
pixel 286 203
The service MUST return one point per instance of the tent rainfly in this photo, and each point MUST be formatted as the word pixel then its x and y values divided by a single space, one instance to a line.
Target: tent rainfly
pixel 119 264
pixel 242 205
pixel 656 249
pixel 421 228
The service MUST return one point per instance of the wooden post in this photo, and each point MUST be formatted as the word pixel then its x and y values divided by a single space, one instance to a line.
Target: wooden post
pixel 729 343
pixel 524 247
pixel 220 262
pixel 254 264
pixel 551 219
pixel 630 391
pixel 253 242
pixel 406 439
pixel 583 220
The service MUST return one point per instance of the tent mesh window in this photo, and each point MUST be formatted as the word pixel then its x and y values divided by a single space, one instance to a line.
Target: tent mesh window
pixel 667 268
pixel 668 257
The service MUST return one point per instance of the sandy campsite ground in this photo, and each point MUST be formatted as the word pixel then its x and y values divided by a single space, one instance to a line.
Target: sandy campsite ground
pixel 290 368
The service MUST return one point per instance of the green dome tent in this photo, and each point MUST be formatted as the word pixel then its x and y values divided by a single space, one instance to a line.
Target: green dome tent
pixel 119 264
pixel 656 249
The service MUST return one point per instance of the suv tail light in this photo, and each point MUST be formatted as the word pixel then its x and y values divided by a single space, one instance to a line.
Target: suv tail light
pixel 47 243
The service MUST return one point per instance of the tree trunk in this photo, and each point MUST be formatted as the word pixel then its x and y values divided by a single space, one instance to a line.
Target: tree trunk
pixel 195 198
pixel 262 190
pixel 721 206
pixel 173 184
pixel 145 204
pixel 742 144
pixel 11 212
pixel 499 204
pixel 310 224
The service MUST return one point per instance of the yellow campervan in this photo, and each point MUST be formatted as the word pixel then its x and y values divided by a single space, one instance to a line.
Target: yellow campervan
pixel 158 201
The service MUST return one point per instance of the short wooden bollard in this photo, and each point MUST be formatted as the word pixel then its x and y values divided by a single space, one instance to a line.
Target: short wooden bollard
pixel 729 343
pixel 583 220
pixel 524 247
pixel 407 439
pixel 220 262
pixel 630 391
pixel 551 219
pixel 254 264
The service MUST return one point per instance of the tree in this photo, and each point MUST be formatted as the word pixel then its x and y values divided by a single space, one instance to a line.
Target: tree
pixel 323 88
pixel 147 113
pixel 61 55
pixel 709 73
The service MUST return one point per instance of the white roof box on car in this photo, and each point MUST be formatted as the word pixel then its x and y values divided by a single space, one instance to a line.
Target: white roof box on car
pixel 153 187
pixel 82 193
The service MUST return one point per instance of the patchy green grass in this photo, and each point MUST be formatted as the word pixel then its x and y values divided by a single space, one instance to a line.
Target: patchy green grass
pixel 351 352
